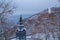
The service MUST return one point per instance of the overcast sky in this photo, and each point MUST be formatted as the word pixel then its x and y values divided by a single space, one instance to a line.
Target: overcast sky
pixel 33 6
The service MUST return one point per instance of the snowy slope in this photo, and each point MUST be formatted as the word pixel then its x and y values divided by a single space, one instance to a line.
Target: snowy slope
pixel 45 23
pixel 43 26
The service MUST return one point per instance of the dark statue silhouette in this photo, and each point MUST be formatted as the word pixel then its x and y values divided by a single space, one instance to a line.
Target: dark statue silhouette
pixel 21 33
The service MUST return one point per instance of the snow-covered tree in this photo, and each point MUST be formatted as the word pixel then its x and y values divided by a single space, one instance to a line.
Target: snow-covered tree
pixel 6 8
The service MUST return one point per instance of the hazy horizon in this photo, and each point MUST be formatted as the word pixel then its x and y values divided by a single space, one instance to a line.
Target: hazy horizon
pixel 34 6
pixel 31 7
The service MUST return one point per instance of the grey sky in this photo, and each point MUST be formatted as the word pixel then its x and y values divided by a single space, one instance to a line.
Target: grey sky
pixel 33 6
pixel 30 7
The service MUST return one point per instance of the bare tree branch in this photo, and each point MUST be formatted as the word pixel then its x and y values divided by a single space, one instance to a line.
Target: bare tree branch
pixel 5 8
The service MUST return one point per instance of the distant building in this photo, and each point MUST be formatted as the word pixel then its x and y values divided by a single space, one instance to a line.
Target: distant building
pixel 49 10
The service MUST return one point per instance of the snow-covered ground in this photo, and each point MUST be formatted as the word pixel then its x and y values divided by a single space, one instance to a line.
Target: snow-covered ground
pixel 44 36
pixel 27 38
pixel 41 36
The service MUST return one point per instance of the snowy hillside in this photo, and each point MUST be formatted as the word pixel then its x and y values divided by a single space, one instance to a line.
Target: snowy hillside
pixel 44 25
